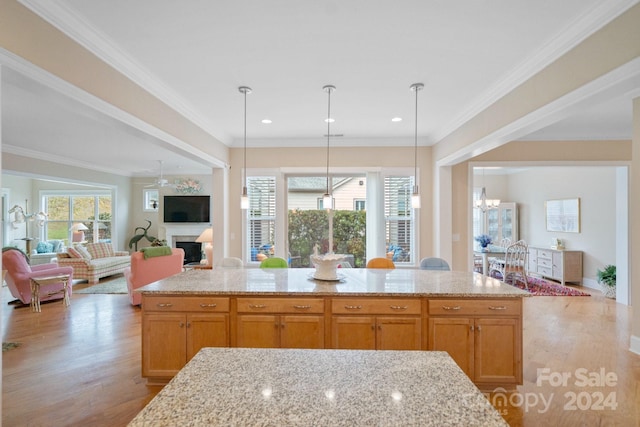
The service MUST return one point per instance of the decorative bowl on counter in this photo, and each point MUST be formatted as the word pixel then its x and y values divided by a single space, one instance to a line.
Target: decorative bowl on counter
pixel 327 266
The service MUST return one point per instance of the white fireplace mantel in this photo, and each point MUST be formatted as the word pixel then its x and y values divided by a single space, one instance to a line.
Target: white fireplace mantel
pixel 172 230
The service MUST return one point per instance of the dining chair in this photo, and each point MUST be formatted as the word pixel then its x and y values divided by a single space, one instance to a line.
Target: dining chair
pixel 434 263
pixel 231 262
pixel 274 262
pixel 380 263
pixel 514 265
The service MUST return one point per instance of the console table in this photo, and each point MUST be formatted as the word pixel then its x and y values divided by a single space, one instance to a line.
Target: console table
pixel 560 265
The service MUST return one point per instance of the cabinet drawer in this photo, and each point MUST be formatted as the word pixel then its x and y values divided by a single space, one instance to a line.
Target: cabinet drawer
pixel 280 305
pixel 375 306
pixel 542 253
pixel 545 271
pixel 439 307
pixel 545 262
pixel 174 303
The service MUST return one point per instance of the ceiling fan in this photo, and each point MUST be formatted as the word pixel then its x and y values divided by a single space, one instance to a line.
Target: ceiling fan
pixel 161 181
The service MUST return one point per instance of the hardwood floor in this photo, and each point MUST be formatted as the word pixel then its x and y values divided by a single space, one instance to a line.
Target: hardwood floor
pixel 81 365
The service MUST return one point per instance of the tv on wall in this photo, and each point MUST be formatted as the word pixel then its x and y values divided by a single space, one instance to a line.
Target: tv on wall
pixel 186 208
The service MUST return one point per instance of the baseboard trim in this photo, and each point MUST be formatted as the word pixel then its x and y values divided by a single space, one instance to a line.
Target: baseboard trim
pixel 634 344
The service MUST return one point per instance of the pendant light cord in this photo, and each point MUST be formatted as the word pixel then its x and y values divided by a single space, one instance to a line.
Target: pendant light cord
pixel 415 143
pixel 244 170
pixel 328 134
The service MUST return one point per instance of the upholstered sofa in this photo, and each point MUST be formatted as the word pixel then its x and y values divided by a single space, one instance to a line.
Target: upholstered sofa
pixel 94 261
pixel 144 271
pixel 46 251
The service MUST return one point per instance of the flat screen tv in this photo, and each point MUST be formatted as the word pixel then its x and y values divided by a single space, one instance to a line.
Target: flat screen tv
pixel 186 208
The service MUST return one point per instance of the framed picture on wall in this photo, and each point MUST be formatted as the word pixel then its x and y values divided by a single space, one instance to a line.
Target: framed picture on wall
pixel 563 215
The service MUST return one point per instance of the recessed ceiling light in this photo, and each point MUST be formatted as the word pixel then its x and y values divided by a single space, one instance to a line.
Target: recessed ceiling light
pixel 396 119
pixel 329 120
pixel 266 121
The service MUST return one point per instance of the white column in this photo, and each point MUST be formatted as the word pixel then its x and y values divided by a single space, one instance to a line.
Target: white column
pixel 634 224
pixel 220 210
pixel 376 245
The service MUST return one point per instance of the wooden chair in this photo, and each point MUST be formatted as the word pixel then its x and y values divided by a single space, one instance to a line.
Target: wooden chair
pixel 274 262
pixel 433 263
pixel 380 263
pixel 514 264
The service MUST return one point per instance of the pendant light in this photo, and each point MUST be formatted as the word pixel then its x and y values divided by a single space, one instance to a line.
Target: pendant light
pixel 327 200
pixel 415 196
pixel 483 203
pixel 244 199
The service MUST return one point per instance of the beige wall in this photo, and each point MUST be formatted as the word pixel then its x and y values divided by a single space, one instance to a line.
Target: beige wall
pixel 313 160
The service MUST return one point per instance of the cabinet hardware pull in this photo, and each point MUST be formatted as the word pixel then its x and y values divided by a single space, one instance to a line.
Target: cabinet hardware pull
pixel 302 307
pixel 353 307
pixel 257 306
pixel 499 307
pixel 471 328
pixel 182 324
pixel 398 307
pixel 164 305
pixel 379 327
pixel 455 307
pixel 208 305
pixel 188 324
pixel 479 328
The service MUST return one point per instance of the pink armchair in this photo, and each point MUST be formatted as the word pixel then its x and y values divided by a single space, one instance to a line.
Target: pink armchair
pixel 144 271
pixel 19 274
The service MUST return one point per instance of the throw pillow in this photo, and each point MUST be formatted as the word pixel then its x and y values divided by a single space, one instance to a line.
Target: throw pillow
pixel 73 252
pixel 83 251
pixel 100 250
pixel 57 244
pixel 44 247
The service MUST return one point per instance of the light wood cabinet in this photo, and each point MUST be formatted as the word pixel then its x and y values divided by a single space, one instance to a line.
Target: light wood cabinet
pixel 295 322
pixel 560 265
pixel 376 324
pixel 175 328
pixel 483 337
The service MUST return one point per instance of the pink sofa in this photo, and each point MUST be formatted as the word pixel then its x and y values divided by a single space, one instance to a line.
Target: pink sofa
pixel 144 271
pixel 19 274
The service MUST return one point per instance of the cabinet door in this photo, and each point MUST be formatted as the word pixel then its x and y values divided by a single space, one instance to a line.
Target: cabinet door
pixel 302 332
pixel 398 333
pixel 353 332
pixel 206 330
pixel 163 344
pixel 455 336
pixel 498 356
pixel 508 221
pixel 258 331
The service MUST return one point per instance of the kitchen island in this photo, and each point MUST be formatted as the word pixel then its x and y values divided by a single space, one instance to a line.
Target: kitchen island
pixel 475 318
pixel 293 387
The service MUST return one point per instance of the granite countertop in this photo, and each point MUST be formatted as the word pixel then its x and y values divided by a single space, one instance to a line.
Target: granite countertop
pixel 290 387
pixel 352 282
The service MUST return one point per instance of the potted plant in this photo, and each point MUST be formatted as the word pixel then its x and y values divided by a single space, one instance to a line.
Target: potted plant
pixel 484 240
pixel 607 280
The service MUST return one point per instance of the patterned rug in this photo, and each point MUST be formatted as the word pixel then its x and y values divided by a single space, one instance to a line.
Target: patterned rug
pixel 108 285
pixel 541 287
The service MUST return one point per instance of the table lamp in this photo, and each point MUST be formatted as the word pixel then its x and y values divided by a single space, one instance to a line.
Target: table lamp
pixel 78 230
pixel 206 237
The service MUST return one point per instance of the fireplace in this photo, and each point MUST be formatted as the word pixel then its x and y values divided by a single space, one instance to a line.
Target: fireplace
pixel 184 236
pixel 192 251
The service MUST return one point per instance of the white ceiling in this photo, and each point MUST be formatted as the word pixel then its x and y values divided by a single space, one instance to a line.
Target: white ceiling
pixel 195 54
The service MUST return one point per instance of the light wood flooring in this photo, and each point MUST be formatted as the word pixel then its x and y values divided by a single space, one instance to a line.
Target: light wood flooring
pixel 81 366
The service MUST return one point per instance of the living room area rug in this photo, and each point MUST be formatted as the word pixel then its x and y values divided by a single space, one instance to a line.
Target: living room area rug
pixel 116 284
pixel 541 287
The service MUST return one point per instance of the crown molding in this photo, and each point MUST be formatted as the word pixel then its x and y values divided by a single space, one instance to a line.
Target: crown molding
pixel 582 27
pixel 71 24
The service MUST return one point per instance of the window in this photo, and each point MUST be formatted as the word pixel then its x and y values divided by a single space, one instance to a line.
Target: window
pixel 88 215
pixel 358 205
pixel 399 223
pixel 151 201
pixel 308 221
pixel 262 216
